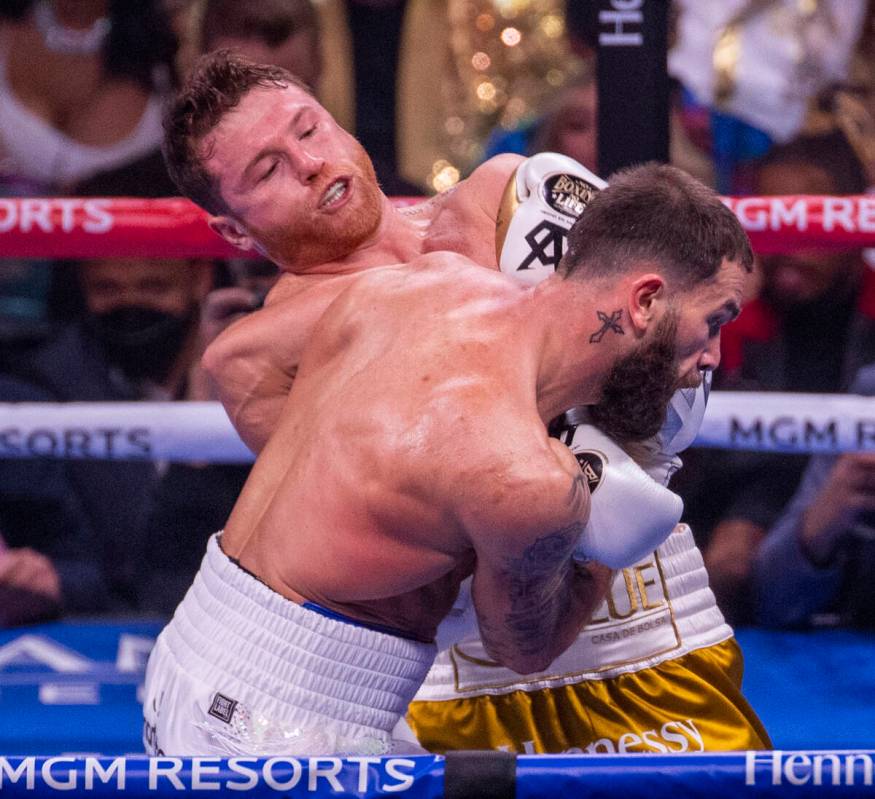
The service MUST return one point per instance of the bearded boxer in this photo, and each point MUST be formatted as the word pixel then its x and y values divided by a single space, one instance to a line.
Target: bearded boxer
pixel 255 361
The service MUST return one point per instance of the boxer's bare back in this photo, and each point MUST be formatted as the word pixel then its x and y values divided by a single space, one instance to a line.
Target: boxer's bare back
pixel 391 467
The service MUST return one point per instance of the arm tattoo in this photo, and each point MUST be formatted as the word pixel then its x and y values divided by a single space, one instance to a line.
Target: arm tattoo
pixel 539 596
pixel 539 588
pixel 611 323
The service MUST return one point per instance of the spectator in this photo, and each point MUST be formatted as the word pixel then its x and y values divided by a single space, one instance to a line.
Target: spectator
pixel 81 85
pixel 280 32
pixel 192 501
pixel 810 331
pixel 756 68
pixel 819 558
pixel 143 314
pixel 568 126
pixel 136 340
pixel 37 521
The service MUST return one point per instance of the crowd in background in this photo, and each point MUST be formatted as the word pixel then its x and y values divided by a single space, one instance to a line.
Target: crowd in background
pixel 787 540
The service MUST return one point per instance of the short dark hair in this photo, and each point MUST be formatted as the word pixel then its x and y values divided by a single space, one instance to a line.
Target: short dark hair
pixel 830 152
pixel 656 213
pixel 216 85
pixel 269 21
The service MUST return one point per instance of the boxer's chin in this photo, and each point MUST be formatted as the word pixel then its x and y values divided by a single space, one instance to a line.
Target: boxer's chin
pixel 323 239
pixel 636 394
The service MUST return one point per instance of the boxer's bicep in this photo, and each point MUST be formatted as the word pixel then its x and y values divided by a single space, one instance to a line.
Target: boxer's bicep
pixel 252 365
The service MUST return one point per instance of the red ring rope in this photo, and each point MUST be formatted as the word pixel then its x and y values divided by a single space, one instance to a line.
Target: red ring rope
pixel 93 227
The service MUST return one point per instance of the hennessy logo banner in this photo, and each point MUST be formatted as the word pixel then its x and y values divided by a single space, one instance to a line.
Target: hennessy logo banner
pixel 659 775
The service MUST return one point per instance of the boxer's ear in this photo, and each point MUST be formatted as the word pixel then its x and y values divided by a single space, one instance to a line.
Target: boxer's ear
pixel 231 230
pixel 647 300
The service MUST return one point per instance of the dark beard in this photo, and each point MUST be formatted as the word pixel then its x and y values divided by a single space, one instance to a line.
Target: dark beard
pixel 636 394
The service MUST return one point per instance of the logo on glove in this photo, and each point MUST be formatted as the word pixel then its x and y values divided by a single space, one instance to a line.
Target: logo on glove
pixel 568 194
pixel 592 464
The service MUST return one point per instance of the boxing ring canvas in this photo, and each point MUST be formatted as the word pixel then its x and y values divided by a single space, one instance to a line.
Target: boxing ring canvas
pixel 74 687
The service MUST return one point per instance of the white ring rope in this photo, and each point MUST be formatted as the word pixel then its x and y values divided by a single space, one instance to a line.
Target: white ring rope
pixel 159 431
pixel 201 432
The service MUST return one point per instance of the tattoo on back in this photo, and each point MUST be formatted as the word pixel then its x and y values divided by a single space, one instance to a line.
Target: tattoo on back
pixel 611 323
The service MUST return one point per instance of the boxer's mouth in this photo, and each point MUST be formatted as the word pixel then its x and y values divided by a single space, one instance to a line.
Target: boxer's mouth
pixel 335 195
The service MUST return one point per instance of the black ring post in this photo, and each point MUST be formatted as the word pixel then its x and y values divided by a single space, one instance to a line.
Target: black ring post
pixel 633 85
pixel 480 775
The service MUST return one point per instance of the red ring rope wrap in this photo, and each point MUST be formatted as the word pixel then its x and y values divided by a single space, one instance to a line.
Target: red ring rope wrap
pixel 94 227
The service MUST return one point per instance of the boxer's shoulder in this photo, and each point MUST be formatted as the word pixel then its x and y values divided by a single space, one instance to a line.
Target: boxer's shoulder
pixel 484 188
pixel 464 217
pixel 489 180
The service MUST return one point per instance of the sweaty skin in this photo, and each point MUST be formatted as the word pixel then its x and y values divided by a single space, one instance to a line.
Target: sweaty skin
pixel 356 471
pixel 254 361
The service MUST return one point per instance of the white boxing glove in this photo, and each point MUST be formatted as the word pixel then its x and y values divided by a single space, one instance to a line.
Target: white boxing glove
pixel 543 198
pixel 658 456
pixel 631 514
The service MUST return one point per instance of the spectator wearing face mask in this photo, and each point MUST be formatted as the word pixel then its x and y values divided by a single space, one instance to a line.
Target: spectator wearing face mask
pixel 72 527
pixel 192 501
pixel 142 317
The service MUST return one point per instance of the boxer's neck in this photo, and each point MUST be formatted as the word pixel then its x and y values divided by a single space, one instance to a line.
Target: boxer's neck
pixel 574 363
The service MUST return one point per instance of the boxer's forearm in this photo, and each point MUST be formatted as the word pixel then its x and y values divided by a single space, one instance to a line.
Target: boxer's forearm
pixel 536 621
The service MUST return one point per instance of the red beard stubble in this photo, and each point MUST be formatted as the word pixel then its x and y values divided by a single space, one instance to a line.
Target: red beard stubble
pixel 313 238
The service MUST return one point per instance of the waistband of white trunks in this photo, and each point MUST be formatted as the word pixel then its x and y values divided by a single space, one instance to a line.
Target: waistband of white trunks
pixel 290 662
pixel 659 609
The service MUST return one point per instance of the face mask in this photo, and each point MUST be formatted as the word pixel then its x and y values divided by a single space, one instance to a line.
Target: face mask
pixel 142 342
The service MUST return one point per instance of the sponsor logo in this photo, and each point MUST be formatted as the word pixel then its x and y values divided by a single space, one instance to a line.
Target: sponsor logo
pixel 620 25
pixel 346 776
pixel 592 464
pixel 150 740
pixel 56 215
pixel 672 736
pixel 794 433
pixel 629 630
pixel 848 214
pixel 222 708
pixel 568 194
pixel 802 768
pixel 76 442
pixel 546 245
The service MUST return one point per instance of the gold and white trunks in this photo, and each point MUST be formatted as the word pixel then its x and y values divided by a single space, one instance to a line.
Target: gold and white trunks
pixel 241 670
pixel 659 609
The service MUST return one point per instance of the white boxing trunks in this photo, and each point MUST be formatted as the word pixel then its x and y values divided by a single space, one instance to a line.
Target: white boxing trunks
pixel 241 670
